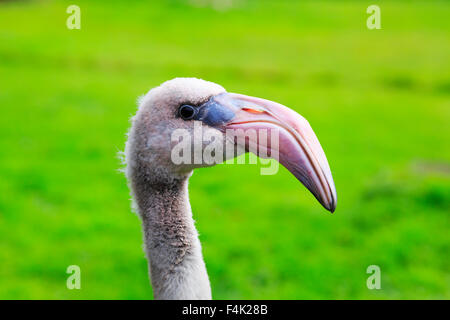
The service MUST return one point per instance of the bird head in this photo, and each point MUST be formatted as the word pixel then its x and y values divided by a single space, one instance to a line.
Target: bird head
pixel 183 111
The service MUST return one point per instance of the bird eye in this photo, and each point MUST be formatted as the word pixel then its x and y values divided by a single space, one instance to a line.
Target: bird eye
pixel 187 112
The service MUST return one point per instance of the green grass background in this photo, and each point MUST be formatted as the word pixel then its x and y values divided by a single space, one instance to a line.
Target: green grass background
pixel 379 101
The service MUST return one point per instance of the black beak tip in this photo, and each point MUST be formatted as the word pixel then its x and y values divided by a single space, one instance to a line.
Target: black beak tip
pixel 331 207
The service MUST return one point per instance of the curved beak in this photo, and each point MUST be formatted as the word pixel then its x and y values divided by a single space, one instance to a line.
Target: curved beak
pixel 296 146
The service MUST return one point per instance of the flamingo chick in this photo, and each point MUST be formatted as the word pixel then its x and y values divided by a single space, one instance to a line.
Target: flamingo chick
pixel 159 185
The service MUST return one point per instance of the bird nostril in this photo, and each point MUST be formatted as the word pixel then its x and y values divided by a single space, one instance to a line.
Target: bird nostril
pixel 187 112
pixel 252 110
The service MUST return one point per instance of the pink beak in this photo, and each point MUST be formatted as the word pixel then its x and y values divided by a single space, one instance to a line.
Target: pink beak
pixel 297 148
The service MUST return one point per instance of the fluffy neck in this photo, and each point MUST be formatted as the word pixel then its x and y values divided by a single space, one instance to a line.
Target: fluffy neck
pixel 177 269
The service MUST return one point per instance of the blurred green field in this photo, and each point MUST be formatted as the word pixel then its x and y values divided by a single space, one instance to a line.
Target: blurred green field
pixel 379 101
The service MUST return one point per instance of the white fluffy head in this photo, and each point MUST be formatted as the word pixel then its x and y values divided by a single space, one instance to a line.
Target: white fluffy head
pixel 181 90
pixel 148 149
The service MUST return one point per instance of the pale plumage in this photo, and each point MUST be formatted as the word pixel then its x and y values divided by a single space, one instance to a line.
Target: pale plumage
pixel 159 187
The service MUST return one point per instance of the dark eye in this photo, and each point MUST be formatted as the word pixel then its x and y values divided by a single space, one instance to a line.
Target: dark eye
pixel 187 112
